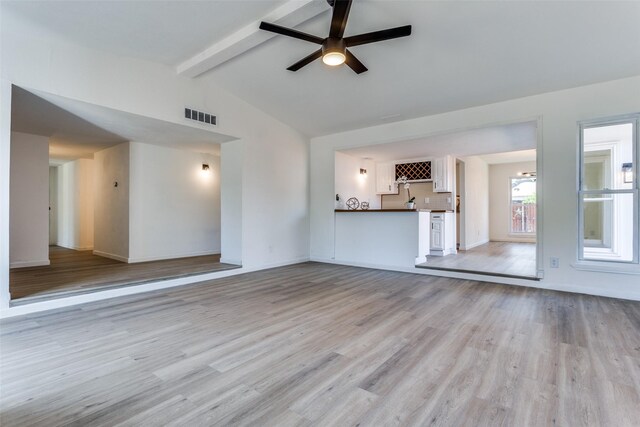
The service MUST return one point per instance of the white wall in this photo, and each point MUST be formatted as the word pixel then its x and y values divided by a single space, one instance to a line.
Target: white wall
pixel 231 174
pixel 559 113
pixel 5 161
pixel 174 204
pixel 272 164
pixel 53 205
pixel 275 191
pixel 75 214
pixel 350 183
pixel 111 203
pixel 499 194
pixel 476 202
pixel 29 217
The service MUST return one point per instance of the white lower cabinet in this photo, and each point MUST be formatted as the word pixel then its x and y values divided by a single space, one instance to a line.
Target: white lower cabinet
pixel 442 234
pixel 437 230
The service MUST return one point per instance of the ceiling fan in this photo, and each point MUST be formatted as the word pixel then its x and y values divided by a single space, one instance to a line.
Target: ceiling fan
pixel 334 49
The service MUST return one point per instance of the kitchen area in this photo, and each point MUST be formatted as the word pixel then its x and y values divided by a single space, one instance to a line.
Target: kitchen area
pixel 462 202
pixel 396 213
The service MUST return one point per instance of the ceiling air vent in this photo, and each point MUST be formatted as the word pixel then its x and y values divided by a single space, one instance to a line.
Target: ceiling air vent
pixel 199 116
pixel 417 171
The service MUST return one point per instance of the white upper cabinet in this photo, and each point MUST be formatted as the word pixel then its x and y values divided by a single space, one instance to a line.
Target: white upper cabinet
pixel 442 174
pixel 386 178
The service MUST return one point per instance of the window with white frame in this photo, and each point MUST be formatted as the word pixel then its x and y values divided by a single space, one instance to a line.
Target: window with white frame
pixel 608 190
pixel 522 203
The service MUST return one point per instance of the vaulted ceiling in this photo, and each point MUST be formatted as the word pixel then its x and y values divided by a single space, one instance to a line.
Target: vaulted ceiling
pixel 461 53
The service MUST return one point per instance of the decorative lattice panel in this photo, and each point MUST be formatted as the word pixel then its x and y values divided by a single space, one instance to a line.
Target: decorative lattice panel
pixel 414 171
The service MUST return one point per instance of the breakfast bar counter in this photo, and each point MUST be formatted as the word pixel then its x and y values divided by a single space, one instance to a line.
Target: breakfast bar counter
pixel 382 237
pixel 376 210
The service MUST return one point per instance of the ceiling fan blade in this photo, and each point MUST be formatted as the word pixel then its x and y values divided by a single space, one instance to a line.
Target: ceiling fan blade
pixel 378 36
pixel 290 32
pixel 306 60
pixel 339 18
pixel 354 63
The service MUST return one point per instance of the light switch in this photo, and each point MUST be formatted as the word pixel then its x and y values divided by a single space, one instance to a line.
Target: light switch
pixel 426 200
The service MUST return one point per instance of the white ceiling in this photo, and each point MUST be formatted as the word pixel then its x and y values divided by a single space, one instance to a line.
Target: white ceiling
pixel 510 157
pixel 517 137
pixel 77 129
pixel 160 31
pixel 461 53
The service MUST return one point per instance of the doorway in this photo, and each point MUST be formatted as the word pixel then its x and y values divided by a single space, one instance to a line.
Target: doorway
pixel 496 216
pixel 459 208
pixel 491 207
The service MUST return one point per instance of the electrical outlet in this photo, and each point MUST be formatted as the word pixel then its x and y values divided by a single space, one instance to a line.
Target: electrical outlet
pixel 554 262
pixel 426 200
pixel 448 199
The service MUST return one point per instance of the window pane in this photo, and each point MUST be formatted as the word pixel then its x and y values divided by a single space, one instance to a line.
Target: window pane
pixel 608 157
pixel 523 205
pixel 607 221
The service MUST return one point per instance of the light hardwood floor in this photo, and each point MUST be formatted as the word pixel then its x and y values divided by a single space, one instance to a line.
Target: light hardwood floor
pixel 318 344
pixel 500 258
pixel 77 272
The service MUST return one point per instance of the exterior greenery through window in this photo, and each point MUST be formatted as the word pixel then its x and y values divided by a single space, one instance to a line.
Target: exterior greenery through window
pixel 523 205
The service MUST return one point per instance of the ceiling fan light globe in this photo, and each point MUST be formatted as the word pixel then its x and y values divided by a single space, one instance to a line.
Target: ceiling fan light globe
pixel 334 58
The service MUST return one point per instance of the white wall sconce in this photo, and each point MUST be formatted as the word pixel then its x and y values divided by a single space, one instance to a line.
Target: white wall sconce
pixel 627 172
pixel 363 172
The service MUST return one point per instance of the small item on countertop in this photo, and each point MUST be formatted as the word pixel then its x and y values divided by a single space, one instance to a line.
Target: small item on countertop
pixel 353 204
pixel 403 180
pixel 364 206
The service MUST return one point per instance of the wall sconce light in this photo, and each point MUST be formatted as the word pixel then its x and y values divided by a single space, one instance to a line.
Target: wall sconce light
pixel 627 172
pixel 205 167
pixel 363 172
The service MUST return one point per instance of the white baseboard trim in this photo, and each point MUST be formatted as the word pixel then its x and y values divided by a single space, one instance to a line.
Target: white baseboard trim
pixel 541 284
pixel 111 256
pixel 164 284
pixel 514 240
pixel 137 289
pixel 165 257
pixel 577 289
pixel 474 245
pixel 230 261
pixel 75 248
pixel 23 264
pixel 401 268
pixel 248 269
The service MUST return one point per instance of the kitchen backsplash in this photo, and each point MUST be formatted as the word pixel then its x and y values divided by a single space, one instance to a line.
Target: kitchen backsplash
pixel 420 190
